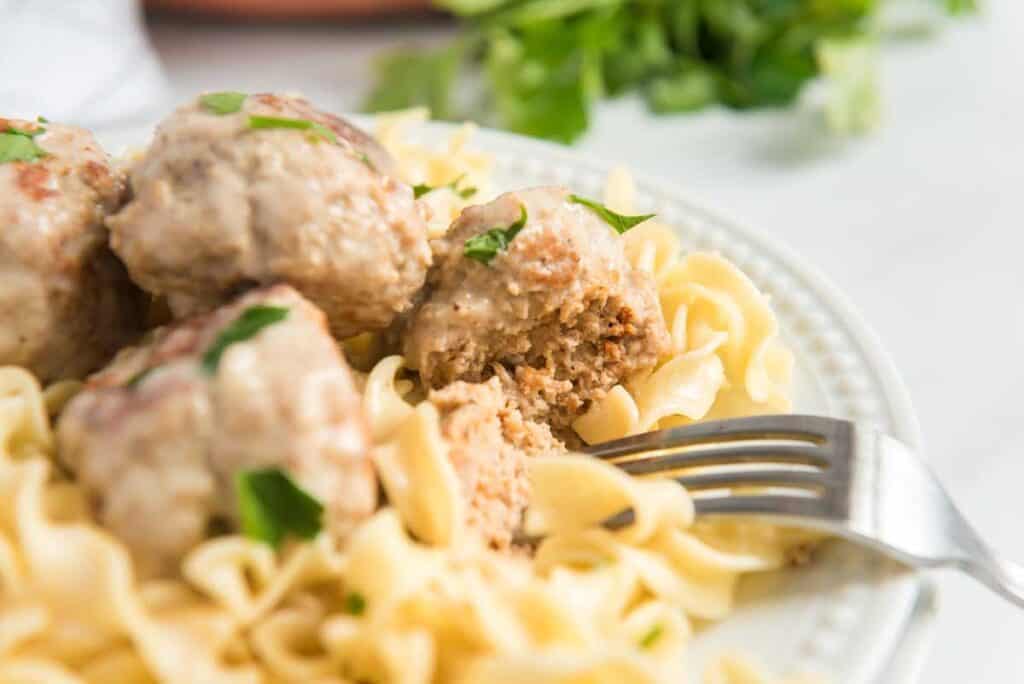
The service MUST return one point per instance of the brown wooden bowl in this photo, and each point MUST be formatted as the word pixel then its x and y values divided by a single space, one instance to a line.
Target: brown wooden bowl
pixel 289 9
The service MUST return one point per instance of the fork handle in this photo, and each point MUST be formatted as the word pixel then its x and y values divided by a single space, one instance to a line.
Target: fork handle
pixel 1002 576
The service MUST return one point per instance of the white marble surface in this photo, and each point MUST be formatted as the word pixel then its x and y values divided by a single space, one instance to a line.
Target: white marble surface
pixel 921 224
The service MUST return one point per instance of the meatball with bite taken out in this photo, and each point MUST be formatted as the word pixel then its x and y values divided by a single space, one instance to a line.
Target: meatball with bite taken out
pixel 66 303
pixel 239 191
pixel 489 443
pixel 535 288
pixel 158 437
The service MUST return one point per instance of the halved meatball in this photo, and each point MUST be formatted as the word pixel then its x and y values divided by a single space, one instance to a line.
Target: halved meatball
pixel 66 304
pixel 558 314
pixel 221 206
pixel 489 442
pixel 157 437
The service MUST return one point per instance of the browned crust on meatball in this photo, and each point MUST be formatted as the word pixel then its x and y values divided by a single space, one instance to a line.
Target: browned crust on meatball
pixel 32 180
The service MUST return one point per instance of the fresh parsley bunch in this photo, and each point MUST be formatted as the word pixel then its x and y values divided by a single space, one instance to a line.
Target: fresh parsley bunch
pixel 540 64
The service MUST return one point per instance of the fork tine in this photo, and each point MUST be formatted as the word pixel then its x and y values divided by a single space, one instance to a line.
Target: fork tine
pixel 802 479
pixel 727 454
pixel 763 504
pixel 815 429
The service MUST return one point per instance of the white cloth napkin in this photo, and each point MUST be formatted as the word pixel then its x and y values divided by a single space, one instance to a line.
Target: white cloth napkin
pixel 87 62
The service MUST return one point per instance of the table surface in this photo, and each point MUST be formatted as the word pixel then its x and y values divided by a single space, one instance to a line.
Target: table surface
pixel 920 224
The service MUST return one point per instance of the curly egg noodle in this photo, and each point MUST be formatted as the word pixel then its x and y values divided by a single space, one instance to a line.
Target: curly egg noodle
pixel 405 599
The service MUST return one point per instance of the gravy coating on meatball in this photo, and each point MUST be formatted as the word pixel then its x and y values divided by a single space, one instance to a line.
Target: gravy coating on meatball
pixel 277 191
pixel 489 443
pixel 157 437
pixel 558 314
pixel 66 304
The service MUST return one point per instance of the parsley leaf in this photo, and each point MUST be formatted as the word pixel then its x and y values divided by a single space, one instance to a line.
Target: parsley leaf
pixel 316 130
pixel 365 158
pixel 538 66
pixel 227 102
pixel 137 379
pixel 355 604
pixel 18 145
pixel 465 193
pixel 252 320
pixel 409 78
pixel 486 246
pixel 30 133
pixel 271 506
pixel 851 75
pixel 651 637
pixel 619 222
pixel 42 119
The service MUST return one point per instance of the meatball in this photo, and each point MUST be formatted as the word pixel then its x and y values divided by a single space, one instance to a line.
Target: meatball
pixel 66 304
pixel 220 206
pixel 157 437
pixel 489 442
pixel 559 314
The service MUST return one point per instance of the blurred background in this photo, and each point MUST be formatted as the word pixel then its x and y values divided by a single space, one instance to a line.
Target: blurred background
pixel 879 139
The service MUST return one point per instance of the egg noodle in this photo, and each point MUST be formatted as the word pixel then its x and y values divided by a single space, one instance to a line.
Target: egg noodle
pixel 407 598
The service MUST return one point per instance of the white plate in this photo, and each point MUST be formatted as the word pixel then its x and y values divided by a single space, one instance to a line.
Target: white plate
pixel 850 616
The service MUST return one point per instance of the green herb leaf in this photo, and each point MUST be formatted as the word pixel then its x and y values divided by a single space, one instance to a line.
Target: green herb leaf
pixel 316 130
pixel 485 247
pixel 537 66
pixel 955 7
pixel 42 119
pixel 537 84
pixel 271 506
pixel 853 105
pixel 619 222
pixel 137 379
pixel 688 88
pixel 227 102
pixel 652 636
pixel 411 78
pixel 252 320
pixel 465 193
pixel 30 133
pixel 365 158
pixel 355 604
pixel 19 146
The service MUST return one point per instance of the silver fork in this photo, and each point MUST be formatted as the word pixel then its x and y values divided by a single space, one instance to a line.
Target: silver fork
pixel 832 475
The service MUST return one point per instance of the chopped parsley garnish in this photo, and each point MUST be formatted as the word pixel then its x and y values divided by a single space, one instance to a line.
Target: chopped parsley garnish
pixel 365 158
pixel 18 145
pixel 355 604
pixel 42 119
pixel 539 67
pixel 653 634
pixel 27 133
pixel 465 193
pixel 137 379
pixel 227 102
pixel 486 246
pixel 316 130
pixel 619 222
pixel 271 506
pixel 252 320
